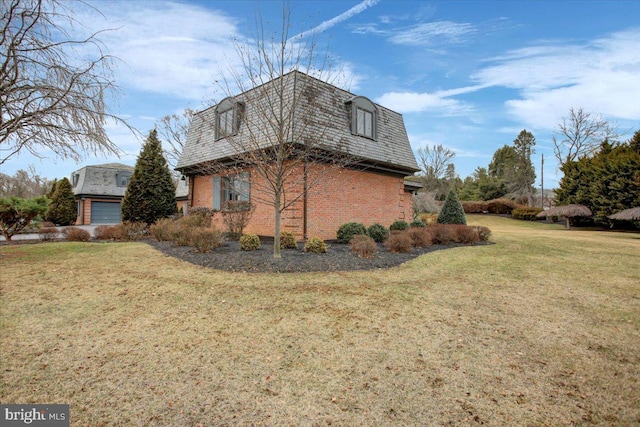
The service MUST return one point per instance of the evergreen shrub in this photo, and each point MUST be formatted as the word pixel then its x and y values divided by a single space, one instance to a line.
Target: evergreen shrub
pixel 249 242
pixel 452 211
pixel 399 225
pixel 288 240
pixel 315 245
pixel 62 209
pixel 378 232
pixel 527 214
pixel 348 230
pixel 417 223
pixel 501 206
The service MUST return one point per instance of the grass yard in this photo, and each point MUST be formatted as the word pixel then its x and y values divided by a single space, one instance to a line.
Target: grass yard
pixel 540 329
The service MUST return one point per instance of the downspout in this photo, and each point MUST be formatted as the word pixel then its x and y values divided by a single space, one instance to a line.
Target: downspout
pixel 304 202
pixel 190 192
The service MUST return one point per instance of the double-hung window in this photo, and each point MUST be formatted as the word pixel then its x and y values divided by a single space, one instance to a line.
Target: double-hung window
pixel 227 118
pixel 364 117
pixel 231 188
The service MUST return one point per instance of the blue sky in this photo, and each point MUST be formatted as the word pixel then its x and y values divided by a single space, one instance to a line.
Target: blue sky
pixel 469 75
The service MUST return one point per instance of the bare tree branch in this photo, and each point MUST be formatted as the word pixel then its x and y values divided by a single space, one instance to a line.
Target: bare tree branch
pixel 281 139
pixel 50 99
pixel 580 134
pixel 173 129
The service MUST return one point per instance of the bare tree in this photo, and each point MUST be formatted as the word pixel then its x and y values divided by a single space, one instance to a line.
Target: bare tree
pixel 173 129
pixel 281 141
pixel 24 184
pixel 434 160
pixel 49 97
pixel 436 166
pixel 580 134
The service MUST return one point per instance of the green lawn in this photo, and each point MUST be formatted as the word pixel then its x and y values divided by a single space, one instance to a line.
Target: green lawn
pixel 540 328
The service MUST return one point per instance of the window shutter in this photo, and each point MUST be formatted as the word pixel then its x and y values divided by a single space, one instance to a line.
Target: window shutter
pixel 216 193
pixel 243 186
pixel 354 119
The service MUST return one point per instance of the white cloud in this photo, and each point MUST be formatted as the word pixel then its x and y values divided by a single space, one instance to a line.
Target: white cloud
pixel 601 76
pixel 166 47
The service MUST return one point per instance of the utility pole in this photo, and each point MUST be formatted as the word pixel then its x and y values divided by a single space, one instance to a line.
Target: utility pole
pixel 542 182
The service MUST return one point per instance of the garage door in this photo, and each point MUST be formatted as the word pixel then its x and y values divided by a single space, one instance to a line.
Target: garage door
pixel 105 212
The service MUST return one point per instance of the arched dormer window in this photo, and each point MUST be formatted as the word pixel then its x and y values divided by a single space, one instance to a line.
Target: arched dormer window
pixel 228 116
pixel 364 117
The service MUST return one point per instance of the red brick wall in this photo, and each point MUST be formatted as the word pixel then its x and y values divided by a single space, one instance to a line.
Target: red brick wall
pixel 335 196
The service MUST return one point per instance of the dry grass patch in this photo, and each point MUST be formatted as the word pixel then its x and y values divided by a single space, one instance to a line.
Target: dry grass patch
pixel 541 328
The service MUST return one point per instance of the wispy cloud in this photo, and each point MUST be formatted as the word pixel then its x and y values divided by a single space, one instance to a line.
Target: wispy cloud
pixel 601 76
pixel 439 102
pixel 433 34
pixel 359 8
pixel 437 34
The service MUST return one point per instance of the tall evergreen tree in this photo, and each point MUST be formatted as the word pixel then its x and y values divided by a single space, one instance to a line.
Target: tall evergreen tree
pixel 525 176
pixel 150 194
pixel 607 182
pixel 512 165
pixel 62 209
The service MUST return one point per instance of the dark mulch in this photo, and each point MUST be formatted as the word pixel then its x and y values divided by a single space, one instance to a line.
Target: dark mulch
pixel 339 257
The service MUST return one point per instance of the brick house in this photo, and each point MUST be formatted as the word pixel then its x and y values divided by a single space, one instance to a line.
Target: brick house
pixel 99 190
pixel 369 188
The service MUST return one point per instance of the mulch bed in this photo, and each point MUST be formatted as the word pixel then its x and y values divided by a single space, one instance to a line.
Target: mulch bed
pixel 339 257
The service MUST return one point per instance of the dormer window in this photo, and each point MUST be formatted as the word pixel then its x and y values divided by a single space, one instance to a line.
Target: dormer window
pixel 228 117
pixel 123 178
pixel 364 117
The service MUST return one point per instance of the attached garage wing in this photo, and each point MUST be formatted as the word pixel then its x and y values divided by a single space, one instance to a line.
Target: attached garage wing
pixel 105 213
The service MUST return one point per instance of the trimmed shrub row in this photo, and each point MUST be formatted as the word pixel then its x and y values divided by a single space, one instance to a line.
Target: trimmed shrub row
pixel 527 214
pixel 496 206
pixel 379 233
pixel 436 234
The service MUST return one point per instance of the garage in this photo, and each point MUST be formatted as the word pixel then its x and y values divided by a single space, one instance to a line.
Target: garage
pixel 105 212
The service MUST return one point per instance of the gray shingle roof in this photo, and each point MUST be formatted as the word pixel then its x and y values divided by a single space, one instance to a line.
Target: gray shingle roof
pixel 329 121
pixel 100 180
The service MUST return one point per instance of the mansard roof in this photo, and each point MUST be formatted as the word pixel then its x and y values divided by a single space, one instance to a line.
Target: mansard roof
pixel 331 117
